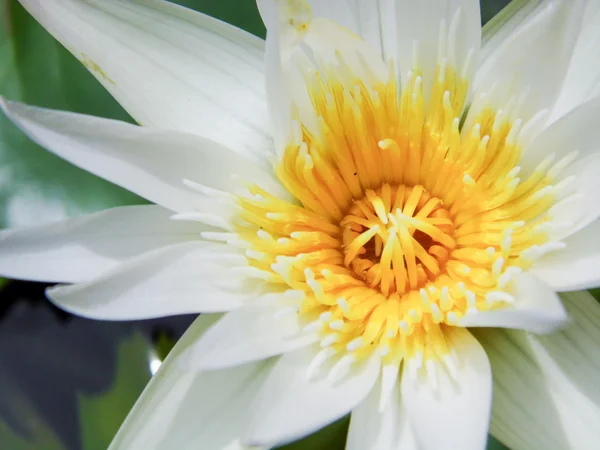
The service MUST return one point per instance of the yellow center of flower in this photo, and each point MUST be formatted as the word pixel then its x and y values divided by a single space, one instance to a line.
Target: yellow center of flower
pixel 405 222
pixel 397 238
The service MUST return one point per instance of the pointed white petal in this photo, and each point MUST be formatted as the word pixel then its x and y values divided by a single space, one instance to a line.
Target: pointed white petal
pixel 523 412
pixel 178 279
pixel 299 40
pixel 577 131
pixel 331 43
pixel 79 249
pixel 278 97
pixel 290 406
pixel 429 32
pixel 372 429
pixel 376 24
pixel 374 21
pixel 249 334
pixel 185 410
pixel 575 267
pixel 574 135
pixel 338 11
pixel 168 66
pixel 152 163
pixel 536 308
pixel 546 392
pixel 503 24
pixel 580 207
pixel 455 413
pixel 541 44
pixel 583 76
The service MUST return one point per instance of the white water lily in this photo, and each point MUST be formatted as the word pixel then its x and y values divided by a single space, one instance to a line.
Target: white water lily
pixel 411 188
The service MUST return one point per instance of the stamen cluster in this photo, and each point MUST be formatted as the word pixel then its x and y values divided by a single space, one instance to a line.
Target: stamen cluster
pixel 405 221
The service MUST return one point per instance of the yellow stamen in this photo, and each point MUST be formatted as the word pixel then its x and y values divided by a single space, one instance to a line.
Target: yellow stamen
pixel 405 222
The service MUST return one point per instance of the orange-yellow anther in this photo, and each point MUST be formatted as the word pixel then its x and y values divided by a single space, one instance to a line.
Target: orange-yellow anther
pixel 387 233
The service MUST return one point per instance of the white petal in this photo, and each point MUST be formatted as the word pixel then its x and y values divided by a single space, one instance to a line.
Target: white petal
pixel 278 97
pixel 503 24
pixel 536 308
pixel 583 76
pixel 79 249
pixel 428 32
pixel 149 162
pixel 575 267
pixel 512 73
pixel 179 279
pixel 372 429
pixel 455 413
pixel 249 334
pixel 289 406
pixel 575 134
pixel 370 20
pixel 330 42
pixel 168 66
pixel 577 131
pixel 375 22
pixel 339 11
pixel 580 208
pixel 185 410
pixel 546 391
pixel 298 40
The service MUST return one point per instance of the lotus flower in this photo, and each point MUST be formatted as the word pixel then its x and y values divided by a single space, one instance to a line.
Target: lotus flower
pixel 373 211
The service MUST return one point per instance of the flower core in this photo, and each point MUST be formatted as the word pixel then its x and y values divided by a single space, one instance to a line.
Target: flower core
pixel 405 222
pixel 397 238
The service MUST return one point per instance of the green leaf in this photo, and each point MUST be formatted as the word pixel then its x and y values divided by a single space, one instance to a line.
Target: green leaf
pixel 332 437
pixel 494 444
pixel 489 8
pixel 100 416
pixel 595 293
pixel 41 439
pixel 29 431
pixel 163 344
pixel 36 186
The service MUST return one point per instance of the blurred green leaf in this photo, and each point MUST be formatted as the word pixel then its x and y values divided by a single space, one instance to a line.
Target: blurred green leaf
pixel 489 8
pixel 100 416
pixel 163 344
pixel 595 293
pixel 29 431
pixel 332 437
pixel 42 439
pixel 494 444
pixel 36 186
